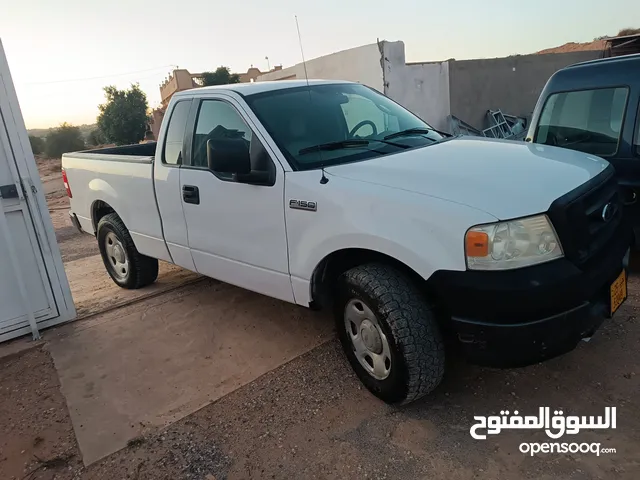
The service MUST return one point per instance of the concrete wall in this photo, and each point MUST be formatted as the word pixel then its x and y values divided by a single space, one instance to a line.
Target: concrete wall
pixel 435 90
pixel 511 84
pixel 360 64
pixel 422 88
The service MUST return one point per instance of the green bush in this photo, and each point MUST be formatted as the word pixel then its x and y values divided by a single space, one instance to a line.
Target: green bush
pixel 96 138
pixel 37 144
pixel 123 118
pixel 65 138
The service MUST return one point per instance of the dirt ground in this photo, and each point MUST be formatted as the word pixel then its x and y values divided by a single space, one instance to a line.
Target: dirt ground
pixel 36 436
pixel 310 418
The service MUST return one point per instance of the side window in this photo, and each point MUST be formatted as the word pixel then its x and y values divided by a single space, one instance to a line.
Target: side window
pixel 359 109
pixel 588 120
pixel 217 121
pixel 617 109
pixel 175 134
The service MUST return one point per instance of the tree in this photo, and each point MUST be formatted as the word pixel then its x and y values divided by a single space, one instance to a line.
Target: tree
pixel 65 138
pixel 222 76
pixel 96 138
pixel 123 118
pixel 37 144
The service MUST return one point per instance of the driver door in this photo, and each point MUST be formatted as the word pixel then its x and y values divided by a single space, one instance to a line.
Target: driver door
pixel 236 231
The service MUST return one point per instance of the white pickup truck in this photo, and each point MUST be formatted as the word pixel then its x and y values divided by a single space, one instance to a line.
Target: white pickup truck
pixel 330 194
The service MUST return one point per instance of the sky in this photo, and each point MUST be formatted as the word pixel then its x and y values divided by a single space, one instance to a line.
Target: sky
pixel 62 53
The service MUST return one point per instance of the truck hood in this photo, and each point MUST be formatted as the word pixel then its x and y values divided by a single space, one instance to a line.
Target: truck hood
pixel 503 178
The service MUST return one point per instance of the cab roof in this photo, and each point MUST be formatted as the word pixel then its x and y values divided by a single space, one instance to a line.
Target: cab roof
pixel 610 61
pixel 257 87
pixel 600 73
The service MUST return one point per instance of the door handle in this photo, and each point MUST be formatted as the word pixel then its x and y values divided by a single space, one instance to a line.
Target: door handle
pixel 191 194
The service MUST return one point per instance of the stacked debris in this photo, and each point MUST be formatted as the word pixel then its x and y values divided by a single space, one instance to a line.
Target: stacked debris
pixel 499 125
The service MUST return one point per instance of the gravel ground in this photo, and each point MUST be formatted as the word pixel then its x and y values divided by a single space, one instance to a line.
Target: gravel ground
pixel 312 419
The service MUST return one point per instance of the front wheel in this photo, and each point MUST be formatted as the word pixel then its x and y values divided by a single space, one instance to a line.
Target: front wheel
pixel 127 267
pixel 389 333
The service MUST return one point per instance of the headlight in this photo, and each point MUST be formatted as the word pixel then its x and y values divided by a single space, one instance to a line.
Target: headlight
pixel 515 244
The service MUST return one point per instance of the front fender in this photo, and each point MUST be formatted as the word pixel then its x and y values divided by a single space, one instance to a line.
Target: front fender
pixel 425 233
pixel 415 259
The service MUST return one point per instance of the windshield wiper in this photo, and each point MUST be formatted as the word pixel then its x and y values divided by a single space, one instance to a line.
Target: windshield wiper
pixel 354 142
pixel 411 131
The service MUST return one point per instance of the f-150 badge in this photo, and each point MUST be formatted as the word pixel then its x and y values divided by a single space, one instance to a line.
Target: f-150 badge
pixel 303 205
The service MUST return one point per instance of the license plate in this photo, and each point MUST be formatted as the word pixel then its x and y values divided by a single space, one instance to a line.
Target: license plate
pixel 618 291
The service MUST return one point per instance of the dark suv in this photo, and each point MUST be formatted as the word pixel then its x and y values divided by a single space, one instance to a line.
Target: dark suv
pixel 593 107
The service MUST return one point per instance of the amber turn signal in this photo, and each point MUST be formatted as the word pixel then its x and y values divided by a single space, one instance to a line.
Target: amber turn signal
pixel 477 244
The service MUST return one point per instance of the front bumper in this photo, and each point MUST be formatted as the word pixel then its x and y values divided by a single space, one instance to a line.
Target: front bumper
pixel 524 316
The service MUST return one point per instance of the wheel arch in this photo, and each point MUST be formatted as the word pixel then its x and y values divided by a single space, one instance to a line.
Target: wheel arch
pixel 100 208
pixel 339 261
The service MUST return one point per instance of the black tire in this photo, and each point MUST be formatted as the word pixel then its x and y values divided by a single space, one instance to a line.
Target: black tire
pixel 142 270
pixel 415 343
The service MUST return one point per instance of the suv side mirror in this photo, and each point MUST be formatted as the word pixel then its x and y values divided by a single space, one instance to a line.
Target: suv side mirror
pixel 232 156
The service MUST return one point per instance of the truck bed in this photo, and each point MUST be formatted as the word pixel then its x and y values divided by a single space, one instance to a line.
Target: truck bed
pixel 133 153
pixel 121 179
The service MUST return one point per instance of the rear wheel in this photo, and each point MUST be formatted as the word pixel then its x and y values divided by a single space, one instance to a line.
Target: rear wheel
pixel 127 267
pixel 389 333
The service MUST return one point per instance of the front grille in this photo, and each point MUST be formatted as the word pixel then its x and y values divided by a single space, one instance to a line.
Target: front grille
pixel 578 216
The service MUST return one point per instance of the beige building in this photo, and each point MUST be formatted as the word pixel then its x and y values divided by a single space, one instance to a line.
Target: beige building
pixel 178 81
pixel 182 79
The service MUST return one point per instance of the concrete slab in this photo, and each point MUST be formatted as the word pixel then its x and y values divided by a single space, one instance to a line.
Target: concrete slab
pixel 151 363
pixel 93 290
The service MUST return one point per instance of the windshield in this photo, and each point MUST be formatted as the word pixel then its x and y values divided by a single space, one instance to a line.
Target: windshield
pixel 330 124
pixel 586 120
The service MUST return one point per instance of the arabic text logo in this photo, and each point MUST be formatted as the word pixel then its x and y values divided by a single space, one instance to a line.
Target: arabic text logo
pixel 555 426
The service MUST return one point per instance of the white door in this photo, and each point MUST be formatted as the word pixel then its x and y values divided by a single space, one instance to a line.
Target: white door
pixel 236 231
pixel 18 241
pixel 34 291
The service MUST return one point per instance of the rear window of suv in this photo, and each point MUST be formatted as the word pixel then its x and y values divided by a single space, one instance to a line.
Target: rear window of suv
pixel 587 120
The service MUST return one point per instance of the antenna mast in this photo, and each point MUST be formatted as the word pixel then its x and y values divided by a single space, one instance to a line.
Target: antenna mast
pixel 304 63
pixel 323 179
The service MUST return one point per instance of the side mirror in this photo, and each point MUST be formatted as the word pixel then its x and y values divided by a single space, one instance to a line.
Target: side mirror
pixel 228 155
pixel 255 177
pixel 233 156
